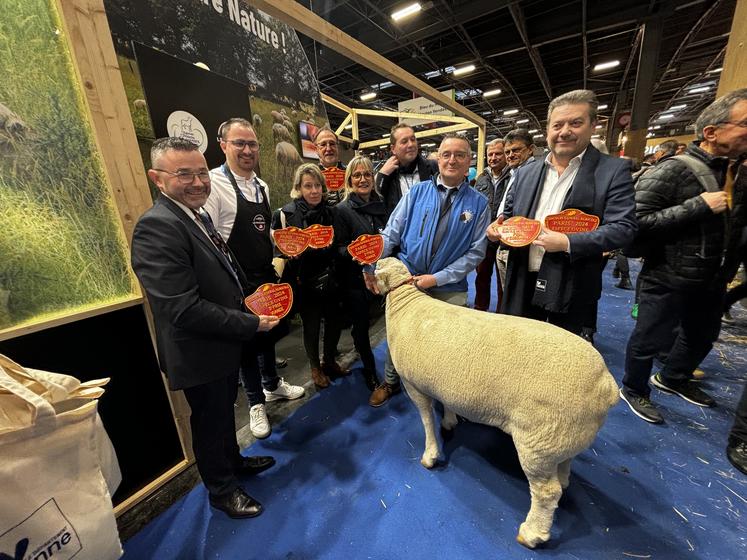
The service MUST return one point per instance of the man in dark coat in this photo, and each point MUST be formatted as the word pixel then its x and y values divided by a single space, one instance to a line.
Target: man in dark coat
pixel 405 168
pixel 691 210
pixel 491 183
pixel 196 290
pixel 558 277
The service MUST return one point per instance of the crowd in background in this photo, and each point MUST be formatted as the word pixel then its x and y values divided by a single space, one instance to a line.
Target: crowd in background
pixel 682 211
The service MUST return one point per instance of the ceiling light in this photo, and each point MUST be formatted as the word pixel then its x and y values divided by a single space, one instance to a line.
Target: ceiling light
pixel 464 70
pixel 487 113
pixel 715 71
pixel 665 117
pixel 538 136
pixel 533 131
pixel 406 11
pixel 522 121
pixel 492 92
pixel 601 107
pixel 657 126
pixel 510 112
pixel 677 107
pixel 595 135
pixel 598 126
pixel 368 96
pixel 606 65
pixel 385 135
pixel 699 89
pixel 650 135
pixel 348 127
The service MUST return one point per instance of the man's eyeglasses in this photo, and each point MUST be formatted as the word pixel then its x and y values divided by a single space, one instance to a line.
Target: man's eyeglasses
pixel 740 124
pixel 187 177
pixel 509 151
pixel 459 156
pixel 327 144
pixel 358 175
pixel 241 144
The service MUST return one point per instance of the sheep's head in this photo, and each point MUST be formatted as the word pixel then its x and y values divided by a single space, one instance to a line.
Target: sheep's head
pixel 390 273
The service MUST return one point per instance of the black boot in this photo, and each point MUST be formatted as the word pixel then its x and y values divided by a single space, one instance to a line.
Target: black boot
pixel 615 272
pixel 369 376
pixel 624 283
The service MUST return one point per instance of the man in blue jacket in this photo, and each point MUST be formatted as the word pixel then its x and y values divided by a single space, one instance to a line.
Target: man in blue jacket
pixel 558 278
pixel 439 228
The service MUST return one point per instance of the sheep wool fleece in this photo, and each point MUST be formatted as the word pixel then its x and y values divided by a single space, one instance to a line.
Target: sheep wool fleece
pixel 546 387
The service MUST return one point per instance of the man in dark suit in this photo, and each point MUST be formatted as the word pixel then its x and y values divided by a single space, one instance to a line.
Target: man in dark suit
pixel 404 169
pixel 195 293
pixel 558 277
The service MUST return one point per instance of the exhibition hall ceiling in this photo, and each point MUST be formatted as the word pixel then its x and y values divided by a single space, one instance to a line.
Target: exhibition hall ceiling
pixel 532 50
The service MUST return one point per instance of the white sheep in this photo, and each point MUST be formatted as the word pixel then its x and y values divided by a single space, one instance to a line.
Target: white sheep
pixel 546 387
pixel 280 133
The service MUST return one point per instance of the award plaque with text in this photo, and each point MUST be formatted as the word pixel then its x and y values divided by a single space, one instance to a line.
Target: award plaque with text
pixel 367 249
pixel 271 299
pixel 320 236
pixel 291 241
pixel 572 221
pixel 519 231
pixel 335 178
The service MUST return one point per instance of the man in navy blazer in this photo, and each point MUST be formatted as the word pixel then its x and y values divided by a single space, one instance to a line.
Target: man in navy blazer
pixel 558 278
pixel 195 291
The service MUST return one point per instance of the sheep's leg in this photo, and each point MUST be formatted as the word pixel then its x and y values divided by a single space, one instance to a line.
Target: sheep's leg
pixel 449 421
pixel 545 491
pixel 564 473
pixel 425 407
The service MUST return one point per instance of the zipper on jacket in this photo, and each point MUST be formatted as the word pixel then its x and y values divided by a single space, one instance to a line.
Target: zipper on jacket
pixel 422 226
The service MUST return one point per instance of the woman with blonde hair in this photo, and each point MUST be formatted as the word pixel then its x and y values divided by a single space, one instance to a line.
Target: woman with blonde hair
pixel 312 273
pixel 361 211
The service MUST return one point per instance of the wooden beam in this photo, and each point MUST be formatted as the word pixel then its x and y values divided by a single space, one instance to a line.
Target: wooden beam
pixel 343 124
pixel 423 134
pixel 339 104
pixel 307 22
pixel 406 115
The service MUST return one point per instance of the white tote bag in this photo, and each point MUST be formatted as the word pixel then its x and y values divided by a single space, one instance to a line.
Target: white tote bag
pixel 55 499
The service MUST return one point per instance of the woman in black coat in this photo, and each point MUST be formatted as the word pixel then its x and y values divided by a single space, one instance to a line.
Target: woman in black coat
pixel 361 211
pixel 312 273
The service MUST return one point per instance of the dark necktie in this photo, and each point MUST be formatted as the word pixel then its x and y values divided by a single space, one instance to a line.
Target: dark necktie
pixel 443 219
pixel 204 218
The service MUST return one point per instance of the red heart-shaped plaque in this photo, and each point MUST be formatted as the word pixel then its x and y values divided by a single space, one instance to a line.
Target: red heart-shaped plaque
pixel 320 236
pixel 367 248
pixel 572 221
pixel 271 299
pixel 519 231
pixel 291 241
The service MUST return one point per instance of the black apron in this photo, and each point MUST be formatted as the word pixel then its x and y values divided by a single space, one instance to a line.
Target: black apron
pixel 250 237
pixel 250 242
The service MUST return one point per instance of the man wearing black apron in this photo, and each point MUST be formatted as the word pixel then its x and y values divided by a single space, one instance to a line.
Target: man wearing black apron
pixel 239 205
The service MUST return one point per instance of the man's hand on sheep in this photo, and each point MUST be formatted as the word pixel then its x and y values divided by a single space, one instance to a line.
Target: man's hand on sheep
pixel 424 281
pixel 371 285
pixel 553 241
pixel 494 230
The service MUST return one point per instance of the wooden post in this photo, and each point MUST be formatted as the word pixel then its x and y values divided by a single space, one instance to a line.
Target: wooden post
pixel 734 74
pixel 95 62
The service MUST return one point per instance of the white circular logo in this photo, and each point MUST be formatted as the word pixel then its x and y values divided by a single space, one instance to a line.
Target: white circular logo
pixel 182 124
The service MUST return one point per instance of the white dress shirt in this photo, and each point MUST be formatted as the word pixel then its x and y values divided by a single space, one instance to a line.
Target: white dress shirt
pixel 222 203
pixel 554 191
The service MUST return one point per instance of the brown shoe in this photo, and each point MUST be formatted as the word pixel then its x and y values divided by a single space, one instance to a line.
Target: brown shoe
pixel 333 370
pixel 319 379
pixel 383 393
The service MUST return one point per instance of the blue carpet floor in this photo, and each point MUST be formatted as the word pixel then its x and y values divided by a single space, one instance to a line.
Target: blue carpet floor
pixel 348 483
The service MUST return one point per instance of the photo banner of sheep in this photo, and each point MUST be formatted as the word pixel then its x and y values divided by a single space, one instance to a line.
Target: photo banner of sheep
pixel 227 39
pixel 62 250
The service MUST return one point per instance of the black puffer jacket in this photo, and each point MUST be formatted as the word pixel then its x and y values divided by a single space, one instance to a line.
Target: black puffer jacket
pixel 686 243
pixel 484 185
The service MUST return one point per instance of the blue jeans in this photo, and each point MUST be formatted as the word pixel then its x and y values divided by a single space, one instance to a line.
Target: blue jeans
pixel 258 368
